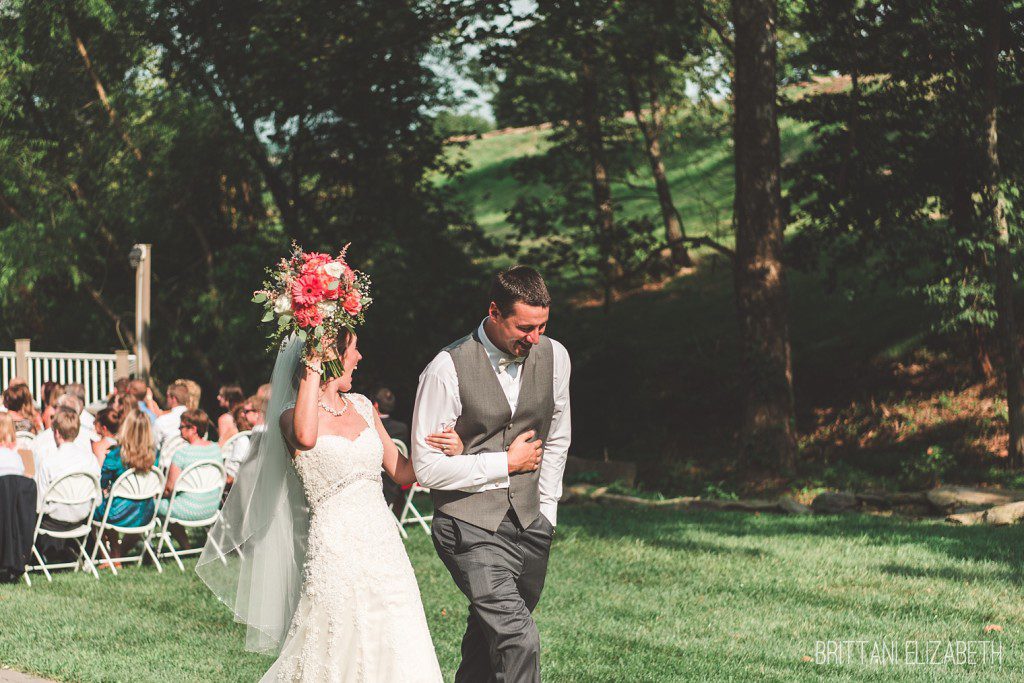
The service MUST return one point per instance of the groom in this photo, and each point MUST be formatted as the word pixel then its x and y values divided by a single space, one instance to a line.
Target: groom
pixel 505 388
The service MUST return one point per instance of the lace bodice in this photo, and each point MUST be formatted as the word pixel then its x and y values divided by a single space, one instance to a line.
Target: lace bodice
pixel 336 460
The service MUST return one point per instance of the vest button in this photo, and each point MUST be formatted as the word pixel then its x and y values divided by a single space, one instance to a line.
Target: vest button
pixel 512 494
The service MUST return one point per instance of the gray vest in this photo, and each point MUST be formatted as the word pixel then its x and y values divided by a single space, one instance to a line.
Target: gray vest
pixel 487 425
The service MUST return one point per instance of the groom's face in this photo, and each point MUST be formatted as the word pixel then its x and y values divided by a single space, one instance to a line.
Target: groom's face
pixel 520 330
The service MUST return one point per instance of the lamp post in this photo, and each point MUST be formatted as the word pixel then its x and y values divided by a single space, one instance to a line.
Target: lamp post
pixel 141 259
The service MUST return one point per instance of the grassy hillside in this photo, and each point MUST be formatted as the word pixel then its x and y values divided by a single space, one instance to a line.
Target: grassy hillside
pixel 699 170
pixel 654 381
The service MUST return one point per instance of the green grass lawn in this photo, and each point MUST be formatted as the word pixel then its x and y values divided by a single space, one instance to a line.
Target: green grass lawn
pixel 631 596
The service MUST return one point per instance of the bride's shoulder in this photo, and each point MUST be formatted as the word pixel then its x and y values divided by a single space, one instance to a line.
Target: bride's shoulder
pixel 360 400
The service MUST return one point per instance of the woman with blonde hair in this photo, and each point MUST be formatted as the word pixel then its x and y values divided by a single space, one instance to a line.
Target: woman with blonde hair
pixel 134 450
pixel 195 392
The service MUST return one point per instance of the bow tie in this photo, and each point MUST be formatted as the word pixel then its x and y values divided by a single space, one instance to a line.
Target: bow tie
pixel 503 363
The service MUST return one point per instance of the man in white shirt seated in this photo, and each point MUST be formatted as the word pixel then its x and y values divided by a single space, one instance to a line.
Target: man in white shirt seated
pixel 45 443
pixel 69 457
pixel 167 425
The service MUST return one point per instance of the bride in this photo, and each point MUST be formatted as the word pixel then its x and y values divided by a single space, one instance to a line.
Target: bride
pixel 328 587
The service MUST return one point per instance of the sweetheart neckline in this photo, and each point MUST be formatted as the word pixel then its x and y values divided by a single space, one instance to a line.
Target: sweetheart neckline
pixel 342 436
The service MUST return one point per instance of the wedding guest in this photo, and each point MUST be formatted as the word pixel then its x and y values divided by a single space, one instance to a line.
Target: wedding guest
pixel 10 460
pixel 250 416
pixel 384 402
pixel 264 393
pixel 120 388
pixel 134 450
pixel 67 458
pixel 106 427
pixel 18 400
pixel 138 390
pixel 48 401
pixel 191 506
pixel 45 443
pixel 167 425
pixel 195 392
pixel 229 397
pixel 78 390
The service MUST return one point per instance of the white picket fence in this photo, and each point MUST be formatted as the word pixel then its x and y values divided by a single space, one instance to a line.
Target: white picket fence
pixel 95 371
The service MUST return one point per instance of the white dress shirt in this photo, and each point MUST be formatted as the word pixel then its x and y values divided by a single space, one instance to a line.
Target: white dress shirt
pixel 44 445
pixel 167 425
pixel 87 420
pixel 438 405
pixel 69 457
pixel 10 462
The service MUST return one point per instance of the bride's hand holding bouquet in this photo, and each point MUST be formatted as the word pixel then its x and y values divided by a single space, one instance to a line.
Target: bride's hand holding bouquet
pixel 317 297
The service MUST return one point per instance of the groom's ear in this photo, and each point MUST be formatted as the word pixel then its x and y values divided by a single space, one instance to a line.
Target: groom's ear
pixel 493 312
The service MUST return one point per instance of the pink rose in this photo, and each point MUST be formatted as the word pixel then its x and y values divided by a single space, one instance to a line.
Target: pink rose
pixel 308 316
pixel 352 303
pixel 315 260
pixel 307 290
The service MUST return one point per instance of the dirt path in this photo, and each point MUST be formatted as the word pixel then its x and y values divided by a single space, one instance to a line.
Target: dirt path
pixel 8 676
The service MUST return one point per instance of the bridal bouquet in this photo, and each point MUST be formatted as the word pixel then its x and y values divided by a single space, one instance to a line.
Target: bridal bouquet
pixel 314 296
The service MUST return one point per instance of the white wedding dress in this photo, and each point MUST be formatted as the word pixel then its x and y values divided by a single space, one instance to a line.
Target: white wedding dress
pixel 359 615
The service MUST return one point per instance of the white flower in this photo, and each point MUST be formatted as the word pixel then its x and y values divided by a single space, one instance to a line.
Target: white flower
pixel 334 269
pixel 327 308
pixel 283 304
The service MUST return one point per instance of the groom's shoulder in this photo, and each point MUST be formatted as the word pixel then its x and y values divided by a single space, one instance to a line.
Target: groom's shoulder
pixel 458 343
pixel 558 349
pixel 441 365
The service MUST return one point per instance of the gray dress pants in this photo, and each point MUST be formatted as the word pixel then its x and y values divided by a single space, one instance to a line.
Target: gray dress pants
pixel 502 574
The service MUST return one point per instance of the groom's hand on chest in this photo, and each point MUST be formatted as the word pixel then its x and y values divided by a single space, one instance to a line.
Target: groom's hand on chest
pixel 525 455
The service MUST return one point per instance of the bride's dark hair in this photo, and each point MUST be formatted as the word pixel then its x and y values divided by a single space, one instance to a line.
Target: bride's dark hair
pixel 340 346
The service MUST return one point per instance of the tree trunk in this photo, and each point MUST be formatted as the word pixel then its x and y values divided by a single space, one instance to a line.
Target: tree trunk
pixel 675 234
pixel 767 421
pixel 995 212
pixel 593 137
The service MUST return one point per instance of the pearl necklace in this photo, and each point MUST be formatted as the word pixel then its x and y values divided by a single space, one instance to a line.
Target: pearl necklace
pixel 332 411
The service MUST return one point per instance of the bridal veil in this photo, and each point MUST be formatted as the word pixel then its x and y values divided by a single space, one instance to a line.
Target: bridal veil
pixel 254 554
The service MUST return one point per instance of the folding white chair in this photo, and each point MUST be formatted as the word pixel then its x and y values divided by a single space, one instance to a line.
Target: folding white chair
pixel 410 515
pixel 74 488
pixel 167 451
pixel 204 476
pixel 25 440
pixel 229 445
pixel 131 485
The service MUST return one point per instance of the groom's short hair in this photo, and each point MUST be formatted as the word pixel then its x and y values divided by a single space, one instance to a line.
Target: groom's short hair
pixel 519 284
